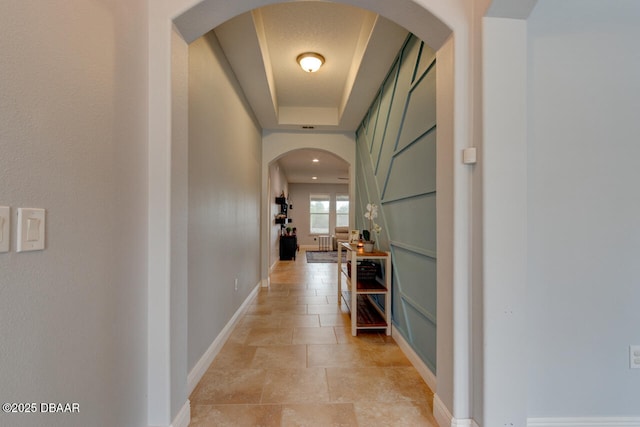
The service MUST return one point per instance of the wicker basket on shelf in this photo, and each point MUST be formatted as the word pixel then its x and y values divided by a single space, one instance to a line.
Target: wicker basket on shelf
pixel 367 270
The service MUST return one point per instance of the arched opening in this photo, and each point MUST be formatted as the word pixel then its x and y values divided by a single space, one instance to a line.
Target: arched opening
pixel 168 313
pixel 275 146
pixel 295 175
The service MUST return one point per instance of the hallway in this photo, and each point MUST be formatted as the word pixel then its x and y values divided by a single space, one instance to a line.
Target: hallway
pixel 291 361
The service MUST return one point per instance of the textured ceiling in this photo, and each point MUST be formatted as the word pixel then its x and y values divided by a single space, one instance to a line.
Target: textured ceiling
pixel 359 47
pixel 299 167
pixel 262 47
pixel 314 27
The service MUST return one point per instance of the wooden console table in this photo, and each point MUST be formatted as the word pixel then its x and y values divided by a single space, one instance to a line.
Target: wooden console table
pixel 358 294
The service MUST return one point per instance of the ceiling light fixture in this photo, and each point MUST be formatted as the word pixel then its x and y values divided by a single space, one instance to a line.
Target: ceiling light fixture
pixel 310 61
pixel 315 160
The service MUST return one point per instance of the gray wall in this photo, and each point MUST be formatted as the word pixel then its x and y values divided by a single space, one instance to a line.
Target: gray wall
pixel 583 208
pixel 73 140
pixel 396 169
pixel 504 221
pixel 179 228
pixel 224 196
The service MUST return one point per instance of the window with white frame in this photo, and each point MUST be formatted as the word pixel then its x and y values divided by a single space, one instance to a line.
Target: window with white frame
pixel 342 210
pixel 319 213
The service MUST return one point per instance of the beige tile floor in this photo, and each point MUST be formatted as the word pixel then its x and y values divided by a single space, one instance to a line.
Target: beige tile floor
pixel 292 361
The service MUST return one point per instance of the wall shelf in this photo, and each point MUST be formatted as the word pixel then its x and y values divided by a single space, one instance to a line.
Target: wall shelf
pixel 282 217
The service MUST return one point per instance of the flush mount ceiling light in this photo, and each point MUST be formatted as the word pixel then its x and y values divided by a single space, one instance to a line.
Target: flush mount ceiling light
pixel 310 61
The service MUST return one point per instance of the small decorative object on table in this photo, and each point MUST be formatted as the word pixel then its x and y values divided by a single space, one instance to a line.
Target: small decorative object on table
pixel 371 214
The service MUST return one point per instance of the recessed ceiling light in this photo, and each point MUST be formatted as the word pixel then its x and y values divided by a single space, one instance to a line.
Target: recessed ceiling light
pixel 315 160
pixel 310 61
pixel 314 177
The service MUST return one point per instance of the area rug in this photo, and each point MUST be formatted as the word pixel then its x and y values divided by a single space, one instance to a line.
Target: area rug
pixel 325 256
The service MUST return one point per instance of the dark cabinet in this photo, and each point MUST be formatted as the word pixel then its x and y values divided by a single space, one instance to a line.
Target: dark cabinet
pixel 288 247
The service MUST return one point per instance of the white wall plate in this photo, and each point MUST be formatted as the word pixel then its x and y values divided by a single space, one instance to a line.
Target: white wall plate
pixel 31 229
pixel 469 156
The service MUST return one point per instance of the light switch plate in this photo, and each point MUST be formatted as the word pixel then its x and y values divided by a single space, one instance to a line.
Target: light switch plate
pixel 31 229
pixel 5 228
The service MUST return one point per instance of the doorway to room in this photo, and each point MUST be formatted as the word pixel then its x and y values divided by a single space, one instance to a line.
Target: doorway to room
pixel 313 184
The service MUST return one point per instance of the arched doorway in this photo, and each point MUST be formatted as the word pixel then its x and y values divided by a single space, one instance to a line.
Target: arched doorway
pixel 277 145
pixel 432 21
pixel 300 169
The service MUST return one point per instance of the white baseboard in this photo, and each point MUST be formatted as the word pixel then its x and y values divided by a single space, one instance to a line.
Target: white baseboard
pixel 201 367
pixel 444 418
pixel 415 360
pixel 463 423
pixel 441 413
pixel 184 416
pixel 584 422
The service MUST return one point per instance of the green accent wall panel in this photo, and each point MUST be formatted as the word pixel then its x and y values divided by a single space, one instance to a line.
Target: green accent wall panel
pixel 420 158
pixel 427 56
pixel 362 130
pixel 367 191
pixel 394 121
pixel 416 275
pixel 423 337
pixel 409 57
pixel 383 116
pixel 412 223
pixel 396 169
pixel 398 311
pixel 420 116
pixel 373 118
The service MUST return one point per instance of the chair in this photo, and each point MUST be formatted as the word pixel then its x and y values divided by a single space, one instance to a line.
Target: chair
pixel 341 235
